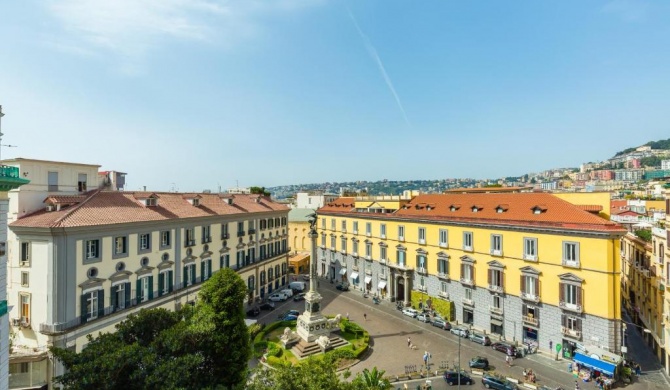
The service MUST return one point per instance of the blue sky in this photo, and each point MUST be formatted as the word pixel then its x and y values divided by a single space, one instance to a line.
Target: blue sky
pixel 196 94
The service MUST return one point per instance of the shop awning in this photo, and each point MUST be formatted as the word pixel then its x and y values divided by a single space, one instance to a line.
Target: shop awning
pixel 497 322
pixel 595 364
pixel 343 271
pixel 368 279
pixel 382 285
pixel 354 275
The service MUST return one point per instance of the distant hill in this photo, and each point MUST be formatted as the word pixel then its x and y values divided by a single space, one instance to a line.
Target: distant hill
pixel 660 145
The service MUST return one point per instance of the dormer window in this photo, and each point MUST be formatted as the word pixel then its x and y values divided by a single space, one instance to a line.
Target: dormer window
pixel 539 209
pixel 454 207
pixel 195 202
pixel 476 208
pixel 151 201
pixel 501 208
pixel 193 199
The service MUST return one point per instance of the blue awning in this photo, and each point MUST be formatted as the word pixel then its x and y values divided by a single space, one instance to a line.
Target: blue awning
pixel 595 364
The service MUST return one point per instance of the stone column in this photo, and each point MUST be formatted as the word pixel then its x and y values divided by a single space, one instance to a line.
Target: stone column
pixel 406 279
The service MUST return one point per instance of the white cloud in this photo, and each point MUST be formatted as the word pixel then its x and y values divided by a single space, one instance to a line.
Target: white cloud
pixel 627 10
pixel 131 28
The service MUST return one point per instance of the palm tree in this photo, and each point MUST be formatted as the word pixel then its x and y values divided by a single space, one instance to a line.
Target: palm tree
pixel 373 380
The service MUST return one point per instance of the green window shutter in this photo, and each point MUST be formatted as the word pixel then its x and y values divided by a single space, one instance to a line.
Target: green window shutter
pixel 184 275
pixel 101 302
pixel 127 292
pixel 202 271
pixel 138 291
pixel 151 287
pixel 193 274
pixel 209 262
pixel 112 297
pixel 161 283
pixel 170 282
pixel 82 301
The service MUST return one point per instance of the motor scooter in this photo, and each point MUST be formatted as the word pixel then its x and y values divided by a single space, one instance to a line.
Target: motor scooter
pixel 375 300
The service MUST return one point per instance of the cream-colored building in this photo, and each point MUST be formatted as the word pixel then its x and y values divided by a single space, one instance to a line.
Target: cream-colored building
pixel 82 261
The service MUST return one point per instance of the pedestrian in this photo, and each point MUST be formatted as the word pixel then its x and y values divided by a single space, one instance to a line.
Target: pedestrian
pixel 347 316
pixel 551 344
pixel 365 316
pixel 638 369
pixel 425 358
pixel 409 342
pixel 576 385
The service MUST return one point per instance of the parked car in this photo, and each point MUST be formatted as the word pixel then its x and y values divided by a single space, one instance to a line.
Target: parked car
pixel 267 306
pixel 299 297
pixel 480 338
pixel 451 377
pixel 288 292
pixel 298 286
pixel 505 348
pixel 290 312
pixel 253 312
pixel 343 286
pixel 277 297
pixel 423 317
pixel 408 311
pixel 289 317
pixel 441 323
pixel 479 362
pixel 305 277
pixel 459 331
pixel 493 382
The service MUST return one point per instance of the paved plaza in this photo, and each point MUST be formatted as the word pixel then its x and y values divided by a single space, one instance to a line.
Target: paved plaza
pixel 389 330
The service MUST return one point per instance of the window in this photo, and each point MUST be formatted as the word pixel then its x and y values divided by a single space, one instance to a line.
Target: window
pixel 25 279
pixel 443 288
pixel 190 237
pixel 120 296
pixel 145 288
pixel 189 274
pixel 442 267
pixel 368 250
pixel 145 242
pixel 25 309
pixel 25 254
pixel 206 236
pixel 467 273
pixel 91 305
pixel 570 296
pixel 206 269
pixel 323 223
pixel 355 248
pixel 401 255
pixel 332 224
pixel 422 235
pixel 530 287
pixel 165 238
pixel 355 227
pixel 530 249
pixel 571 254
pixel 323 240
pixel 3 248
pixel 240 229
pixel 52 181
pixel 571 325
pixel 467 241
pixel 496 244
pixel 252 227
pixel 81 182
pixel 224 260
pixel 531 314
pixel 495 280
pixel 368 229
pixel 497 301
pixel 401 233
pixel 332 242
pixel 382 230
pixel 444 238
pixel 468 294
pixel 92 248
pixel 382 253
pixel 344 226
pixel 344 244
pixel 224 230
pixel 121 245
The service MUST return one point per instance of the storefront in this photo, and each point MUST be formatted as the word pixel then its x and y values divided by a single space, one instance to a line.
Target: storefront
pixel 593 369
pixel 368 283
pixel 353 278
pixel 496 326
pixel 530 336
pixel 569 348
pixel 468 316
pixel 382 288
pixel 343 274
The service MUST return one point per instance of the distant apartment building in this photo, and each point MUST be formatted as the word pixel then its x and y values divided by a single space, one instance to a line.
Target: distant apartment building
pixel 603 174
pixel 239 190
pixel 628 174
pixel 523 266
pixel 549 186
pixel 82 258
pixel 657 174
pixel 313 200
pixel 665 164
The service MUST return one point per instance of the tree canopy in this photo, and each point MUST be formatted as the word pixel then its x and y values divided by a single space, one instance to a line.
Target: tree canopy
pixel 200 347
pixel 259 190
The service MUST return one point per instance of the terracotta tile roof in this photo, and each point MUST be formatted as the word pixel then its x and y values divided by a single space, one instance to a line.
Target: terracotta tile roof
pixel 553 212
pixel 113 207
pixel 592 208
pixel 64 199
pixel 487 190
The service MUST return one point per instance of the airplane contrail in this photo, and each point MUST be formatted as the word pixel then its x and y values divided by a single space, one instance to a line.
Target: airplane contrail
pixel 373 53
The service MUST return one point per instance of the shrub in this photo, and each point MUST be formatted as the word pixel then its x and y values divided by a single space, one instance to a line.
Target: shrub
pixel 274 350
pixel 255 329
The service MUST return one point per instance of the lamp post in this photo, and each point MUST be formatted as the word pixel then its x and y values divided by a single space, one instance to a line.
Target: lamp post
pixel 459 363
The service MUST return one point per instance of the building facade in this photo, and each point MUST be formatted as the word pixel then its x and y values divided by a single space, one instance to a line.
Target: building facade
pixel 523 266
pixel 83 261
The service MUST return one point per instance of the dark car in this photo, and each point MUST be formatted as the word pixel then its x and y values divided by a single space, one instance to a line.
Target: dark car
pixel 253 312
pixel 505 348
pixel 342 286
pixel 492 382
pixel 267 306
pixel 294 313
pixel 441 323
pixel 451 377
pixel 479 362
pixel 289 317
pixel 299 297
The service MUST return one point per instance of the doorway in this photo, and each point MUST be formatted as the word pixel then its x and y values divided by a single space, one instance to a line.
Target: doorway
pixel 400 290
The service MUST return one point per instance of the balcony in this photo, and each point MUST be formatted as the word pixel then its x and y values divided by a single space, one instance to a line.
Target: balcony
pixel 402 267
pixel 574 333
pixel 422 242
pixel 443 275
pixel 225 236
pixel 530 297
pixel 496 252
pixel 570 306
pixel 354 268
pixel 468 302
pixel 206 240
pixel 368 258
pixel 251 231
pixel 467 281
pixel 422 288
pixel 382 261
pixel 189 242
pixel 368 271
pixel 571 263
pixel 531 320
pixel 422 271
pixel 240 233
pixel 495 288
pixel 443 294
pixel 496 310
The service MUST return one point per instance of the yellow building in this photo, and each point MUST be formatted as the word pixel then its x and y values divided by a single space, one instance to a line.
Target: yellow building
pixel 528 267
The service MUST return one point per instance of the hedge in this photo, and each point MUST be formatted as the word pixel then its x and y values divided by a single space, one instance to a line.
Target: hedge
pixel 443 307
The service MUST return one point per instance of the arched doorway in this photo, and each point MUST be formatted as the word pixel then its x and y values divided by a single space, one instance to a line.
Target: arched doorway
pixel 400 289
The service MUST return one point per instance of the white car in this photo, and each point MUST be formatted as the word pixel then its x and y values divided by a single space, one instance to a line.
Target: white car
pixel 458 331
pixel 410 312
pixel 423 318
pixel 288 292
pixel 277 297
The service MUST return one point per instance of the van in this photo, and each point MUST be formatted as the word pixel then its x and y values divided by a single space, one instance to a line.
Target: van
pixel 288 292
pixel 298 286
pixel 480 338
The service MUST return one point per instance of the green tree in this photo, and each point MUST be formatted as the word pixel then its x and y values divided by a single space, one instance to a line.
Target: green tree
pixel 644 234
pixel 371 380
pixel 259 190
pixel 315 373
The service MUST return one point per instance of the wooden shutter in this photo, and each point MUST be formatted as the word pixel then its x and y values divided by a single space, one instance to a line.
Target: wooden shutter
pixel 170 280
pixel 101 303
pixel 524 309
pixel 83 312
pixel 138 291
pixel 193 274
pixel 202 271
pixel 209 269
pixel 536 282
pixel 564 320
pixel 127 292
pixel 161 283
pixel 112 297
pixel 579 296
pixel 523 284
pixel 183 275
pixel 151 287
pixel 490 276
pixel 462 271
pixel 561 292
